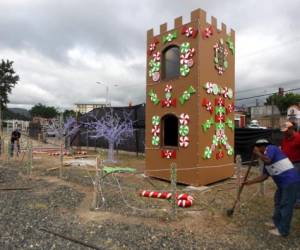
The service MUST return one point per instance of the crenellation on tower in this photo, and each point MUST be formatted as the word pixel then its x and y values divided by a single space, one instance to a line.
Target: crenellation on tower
pixel 163 28
pixel 178 22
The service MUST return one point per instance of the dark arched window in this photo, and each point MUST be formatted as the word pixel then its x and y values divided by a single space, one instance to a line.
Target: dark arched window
pixel 170 130
pixel 171 63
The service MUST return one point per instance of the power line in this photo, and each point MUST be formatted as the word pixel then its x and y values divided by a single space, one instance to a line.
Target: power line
pixel 279 84
pixel 250 97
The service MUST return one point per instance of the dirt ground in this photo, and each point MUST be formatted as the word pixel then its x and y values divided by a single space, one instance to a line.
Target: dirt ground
pixel 125 220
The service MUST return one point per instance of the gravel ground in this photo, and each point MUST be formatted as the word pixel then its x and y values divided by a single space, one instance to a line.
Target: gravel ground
pixel 52 206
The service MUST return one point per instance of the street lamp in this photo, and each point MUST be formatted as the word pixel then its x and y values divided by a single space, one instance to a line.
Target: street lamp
pixel 107 91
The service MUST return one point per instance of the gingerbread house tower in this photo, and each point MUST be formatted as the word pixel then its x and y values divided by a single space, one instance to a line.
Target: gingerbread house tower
pixel 190 102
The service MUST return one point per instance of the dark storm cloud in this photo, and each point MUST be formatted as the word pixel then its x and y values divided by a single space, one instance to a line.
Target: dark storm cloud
pixel 62 47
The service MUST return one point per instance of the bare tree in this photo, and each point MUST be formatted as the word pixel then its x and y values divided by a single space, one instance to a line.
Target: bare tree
pixel 112 127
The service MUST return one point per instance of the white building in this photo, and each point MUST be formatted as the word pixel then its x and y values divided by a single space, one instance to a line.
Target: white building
pixel 87 107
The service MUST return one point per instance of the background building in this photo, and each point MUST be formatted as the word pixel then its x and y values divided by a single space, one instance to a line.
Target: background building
pixel 87 107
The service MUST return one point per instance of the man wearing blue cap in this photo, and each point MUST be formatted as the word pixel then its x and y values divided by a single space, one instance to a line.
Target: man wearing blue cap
pixel 287 179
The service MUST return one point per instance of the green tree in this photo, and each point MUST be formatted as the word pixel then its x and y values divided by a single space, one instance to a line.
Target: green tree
pixel 8 79
pixel 44 111
pixel 283 102
pixel 69 113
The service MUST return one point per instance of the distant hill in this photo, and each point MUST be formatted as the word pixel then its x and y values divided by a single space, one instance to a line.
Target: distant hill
pixel 17 114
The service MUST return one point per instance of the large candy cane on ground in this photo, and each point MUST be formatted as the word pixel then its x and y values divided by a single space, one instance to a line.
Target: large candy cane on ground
pixel 183 200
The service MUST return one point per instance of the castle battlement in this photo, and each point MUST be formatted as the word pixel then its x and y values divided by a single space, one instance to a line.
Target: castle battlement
pixel 197 15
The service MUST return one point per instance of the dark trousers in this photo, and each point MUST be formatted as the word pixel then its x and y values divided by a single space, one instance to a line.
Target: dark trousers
pixel 297 165
pixel 285 199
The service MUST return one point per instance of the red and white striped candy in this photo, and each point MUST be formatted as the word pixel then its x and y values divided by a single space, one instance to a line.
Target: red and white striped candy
pixel 168 88
pixel 156 56
pixel 184 197
pixel 190 53
pixel 155 130
pixel 184 141
pixel 184 59
pixel 160 195
pixel 184 203
pixel 184 119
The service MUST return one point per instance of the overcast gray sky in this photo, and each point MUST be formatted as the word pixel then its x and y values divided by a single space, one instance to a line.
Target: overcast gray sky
pixel 62 47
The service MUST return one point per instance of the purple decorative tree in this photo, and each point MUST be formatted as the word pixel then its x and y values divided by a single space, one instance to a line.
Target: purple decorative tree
pixel 69 128
pixel 112 127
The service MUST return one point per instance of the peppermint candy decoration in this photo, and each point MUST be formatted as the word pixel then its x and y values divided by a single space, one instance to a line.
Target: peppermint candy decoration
pixel 215 89
pixel 230 151
pixel 184 119
pixel 230 108
pixel 184 70
pixel 184 141
pixel 155 130
pixel 183 130
pixel 156 76
pixel 189 32
pixel 169 154
pixel 190 63
pixel 208 32
pixel 168 88
pixel 184 47
pixel 207 153
pixel 190 53
pixel 215 140
pixel 220 118
pixel 156 56
pixel 227 92
pixel 155 120
pixel 209 87
pixel 220 102
pixel 219 155
pixel 208 105
pixel 184 59
pixel 152 47
pixel 155 140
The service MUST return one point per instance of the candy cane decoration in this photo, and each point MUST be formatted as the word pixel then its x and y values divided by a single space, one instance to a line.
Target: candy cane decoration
pixel 183 200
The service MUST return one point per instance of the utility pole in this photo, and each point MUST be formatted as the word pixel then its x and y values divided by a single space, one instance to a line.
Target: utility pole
pixel 0 119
